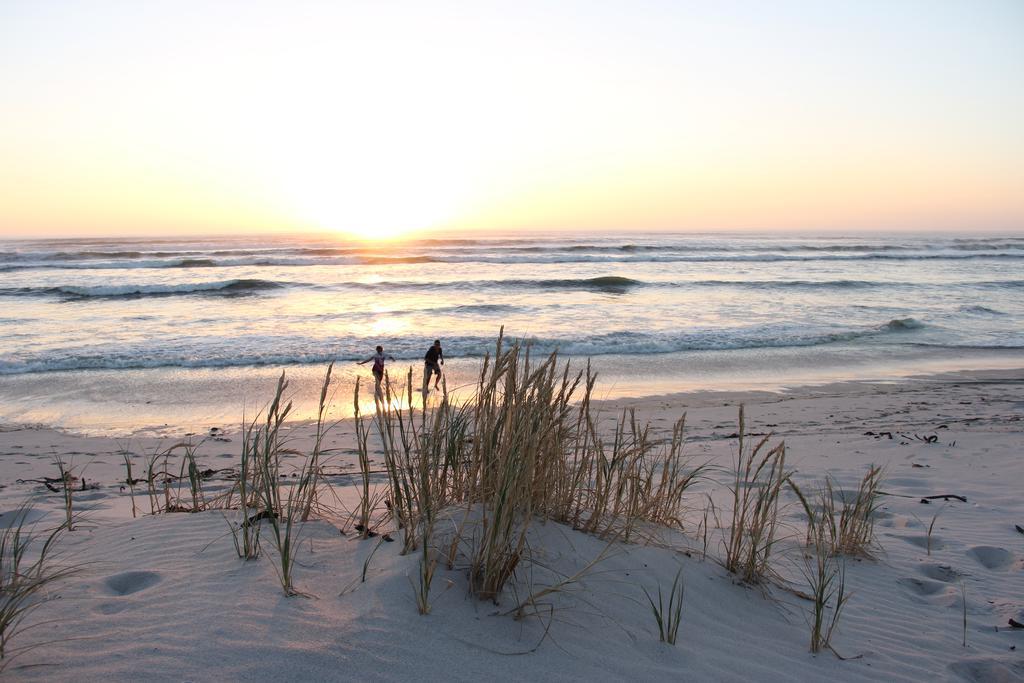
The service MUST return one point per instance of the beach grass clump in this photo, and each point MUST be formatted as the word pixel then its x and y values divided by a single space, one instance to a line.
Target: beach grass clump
pixel 286 513
pixel 537 455
pixel 163 497
pixel 189 470
pixel 518 470
pixel 417 475
pixel 854 522
pixel 259 486
pixel 525 447
pixel 850 523
pixel 424 460
pixel 823 567
pixel 668 616
pixel 629 482
pixel 246 534
pixel 619 485
pixel 519 450
pixel 25 573
pixel 366 494
pixel 404 456
pixel 759 476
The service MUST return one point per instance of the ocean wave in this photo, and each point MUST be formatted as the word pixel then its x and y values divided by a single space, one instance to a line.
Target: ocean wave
pixel 223 287
pixel 795 284
pixel 290 350
pixel 999 284
pixel 903 325
pixel 614 284
pixel 980 310
pixel 522 256
pixel 610 284
pixel 767 257
pixel 396 260
pixel 485 309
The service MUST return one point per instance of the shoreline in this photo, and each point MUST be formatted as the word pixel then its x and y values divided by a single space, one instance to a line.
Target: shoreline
pixel 711 417
pixel 169 401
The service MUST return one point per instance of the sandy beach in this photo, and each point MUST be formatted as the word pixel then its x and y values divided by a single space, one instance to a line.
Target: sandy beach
pixel 165 597
pixel 451 341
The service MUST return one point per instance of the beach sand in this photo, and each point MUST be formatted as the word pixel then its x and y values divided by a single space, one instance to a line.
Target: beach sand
pixel 164 597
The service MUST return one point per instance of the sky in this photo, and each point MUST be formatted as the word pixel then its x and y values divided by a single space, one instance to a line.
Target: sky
pixel 384 118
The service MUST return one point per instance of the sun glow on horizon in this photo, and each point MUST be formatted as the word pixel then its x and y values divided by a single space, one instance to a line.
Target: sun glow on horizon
pixel 381 122
pixel 362 178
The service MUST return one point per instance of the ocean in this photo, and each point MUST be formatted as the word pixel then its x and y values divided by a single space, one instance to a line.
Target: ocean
pixel 88 312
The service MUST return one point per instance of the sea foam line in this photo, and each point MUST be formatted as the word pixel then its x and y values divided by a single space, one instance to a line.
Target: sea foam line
pixel 304 351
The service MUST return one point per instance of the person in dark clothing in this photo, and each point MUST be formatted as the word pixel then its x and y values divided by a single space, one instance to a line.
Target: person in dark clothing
pixel 432 362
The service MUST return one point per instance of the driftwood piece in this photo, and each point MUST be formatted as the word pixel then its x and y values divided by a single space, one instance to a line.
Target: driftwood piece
pixel 263 514
pixel 943 496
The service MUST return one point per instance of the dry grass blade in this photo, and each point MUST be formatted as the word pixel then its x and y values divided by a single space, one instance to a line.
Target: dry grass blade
pixel 823 568
pixel 855 527
pixel 263 447
pixel 67 491
pixel 23 581
pixel 758 478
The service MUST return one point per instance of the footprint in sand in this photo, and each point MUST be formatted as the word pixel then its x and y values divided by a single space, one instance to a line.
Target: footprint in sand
pixel 991 557
pixel 112 607
pixel 922 542
pixel 922 586
pixel 95 495
pixel 9 518
pixel 127 583
pixel 911 483
pixel 937 593
pixel 988 670
pixel 940 572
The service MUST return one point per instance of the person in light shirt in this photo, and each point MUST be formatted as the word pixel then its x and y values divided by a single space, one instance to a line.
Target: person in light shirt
pixel 378 370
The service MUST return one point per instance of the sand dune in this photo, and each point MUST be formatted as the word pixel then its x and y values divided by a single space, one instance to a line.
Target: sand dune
pixel 164 597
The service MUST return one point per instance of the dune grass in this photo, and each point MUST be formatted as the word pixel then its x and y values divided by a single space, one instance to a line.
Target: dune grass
pixel 668 616
pixel 523 448
pixel 130 480
pixel 833 534
pixel 853 530
pixel 67 491
pixel 246 533
pixel 366 502
pixel 759 475
pixel 25 573
pixel 285 514
pixel 823 566
pixel 261 480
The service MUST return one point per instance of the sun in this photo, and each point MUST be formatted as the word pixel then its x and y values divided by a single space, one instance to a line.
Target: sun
pixel 370 211
pixel 372 194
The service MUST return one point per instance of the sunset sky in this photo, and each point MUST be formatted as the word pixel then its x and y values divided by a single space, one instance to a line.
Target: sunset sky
pixel 387 117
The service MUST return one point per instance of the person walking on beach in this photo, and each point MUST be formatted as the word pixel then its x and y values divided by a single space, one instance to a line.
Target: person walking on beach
pixel 432 362
pixel 378 369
